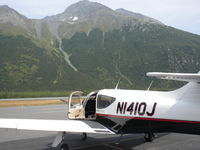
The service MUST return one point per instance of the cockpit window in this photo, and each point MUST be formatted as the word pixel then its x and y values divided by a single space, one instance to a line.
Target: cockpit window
pixel 104 101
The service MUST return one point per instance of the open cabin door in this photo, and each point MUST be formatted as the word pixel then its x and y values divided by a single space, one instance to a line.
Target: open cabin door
pixel 90 106
pixel 81 107
pixel 76 110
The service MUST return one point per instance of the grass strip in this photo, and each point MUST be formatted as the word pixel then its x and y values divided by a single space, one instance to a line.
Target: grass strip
pixel 29 103
pixel 37 94
pixel 33 94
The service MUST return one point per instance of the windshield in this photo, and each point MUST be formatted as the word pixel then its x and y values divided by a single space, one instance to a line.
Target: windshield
pixel 104 101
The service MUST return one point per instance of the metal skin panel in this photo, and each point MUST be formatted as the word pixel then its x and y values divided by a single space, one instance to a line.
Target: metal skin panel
pixel 188 77
pixel 46 125
pixel 181 104
pixel 168 107
pixel 134 110
pixel 54 125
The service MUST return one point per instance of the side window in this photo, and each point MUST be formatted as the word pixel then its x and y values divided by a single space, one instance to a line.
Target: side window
pixel 104 101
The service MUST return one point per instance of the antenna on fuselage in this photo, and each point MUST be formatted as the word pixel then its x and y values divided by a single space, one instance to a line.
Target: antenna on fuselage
pixel 150 85
pixel 116 87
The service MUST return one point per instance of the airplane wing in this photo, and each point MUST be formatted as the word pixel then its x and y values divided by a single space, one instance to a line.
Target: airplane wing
pixel 188 77
pixel 76 126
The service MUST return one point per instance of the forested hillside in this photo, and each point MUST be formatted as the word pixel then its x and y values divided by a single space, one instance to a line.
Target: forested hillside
pixel 90 46
pixel 128 54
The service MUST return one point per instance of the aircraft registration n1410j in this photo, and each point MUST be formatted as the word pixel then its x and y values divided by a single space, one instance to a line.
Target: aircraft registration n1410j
pixel 117 111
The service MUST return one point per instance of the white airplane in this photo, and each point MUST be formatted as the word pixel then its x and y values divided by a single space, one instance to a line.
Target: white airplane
pixel 116 111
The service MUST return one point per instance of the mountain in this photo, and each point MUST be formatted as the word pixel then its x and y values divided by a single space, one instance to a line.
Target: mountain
pixel 8 15
pixel 85 16
pixel 82 10
pixel 90 46
pixel 137 15
pixel 11 22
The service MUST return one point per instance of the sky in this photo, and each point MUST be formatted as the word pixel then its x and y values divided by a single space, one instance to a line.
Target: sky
pixel 181 14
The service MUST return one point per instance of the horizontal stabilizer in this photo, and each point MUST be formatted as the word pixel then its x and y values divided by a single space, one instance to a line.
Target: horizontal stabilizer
pixel 187 77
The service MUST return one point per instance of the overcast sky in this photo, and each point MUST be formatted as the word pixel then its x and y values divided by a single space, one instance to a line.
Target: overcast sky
pixel 181 14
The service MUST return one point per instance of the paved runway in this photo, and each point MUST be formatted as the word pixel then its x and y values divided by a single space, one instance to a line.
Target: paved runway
pixel 37 140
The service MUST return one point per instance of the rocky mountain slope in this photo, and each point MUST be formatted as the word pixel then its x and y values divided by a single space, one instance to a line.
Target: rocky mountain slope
pixel 90 46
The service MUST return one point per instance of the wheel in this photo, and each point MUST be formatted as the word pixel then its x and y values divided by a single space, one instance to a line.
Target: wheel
pixel 148 137
pixel 84 136
pixel 65 147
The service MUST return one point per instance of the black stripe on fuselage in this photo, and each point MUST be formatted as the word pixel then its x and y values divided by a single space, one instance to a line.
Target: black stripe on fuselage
pixel 143 125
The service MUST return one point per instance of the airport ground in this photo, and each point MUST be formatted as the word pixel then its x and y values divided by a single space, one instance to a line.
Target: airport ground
pixel 37 140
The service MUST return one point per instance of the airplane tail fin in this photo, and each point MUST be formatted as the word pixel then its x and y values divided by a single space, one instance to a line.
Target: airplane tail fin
pixel 190 91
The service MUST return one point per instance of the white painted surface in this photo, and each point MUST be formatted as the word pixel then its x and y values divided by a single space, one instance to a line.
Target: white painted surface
pixel 46 125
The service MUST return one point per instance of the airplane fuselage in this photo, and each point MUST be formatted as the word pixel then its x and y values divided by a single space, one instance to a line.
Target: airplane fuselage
pixel 135 111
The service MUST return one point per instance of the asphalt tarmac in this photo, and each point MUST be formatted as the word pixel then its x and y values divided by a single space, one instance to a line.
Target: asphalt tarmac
pixel 11 139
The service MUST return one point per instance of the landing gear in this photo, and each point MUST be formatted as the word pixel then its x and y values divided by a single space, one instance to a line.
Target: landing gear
pixel 84 136
pixel 64 147
pixel 59 142
pixel 119 140
pixel 149 137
